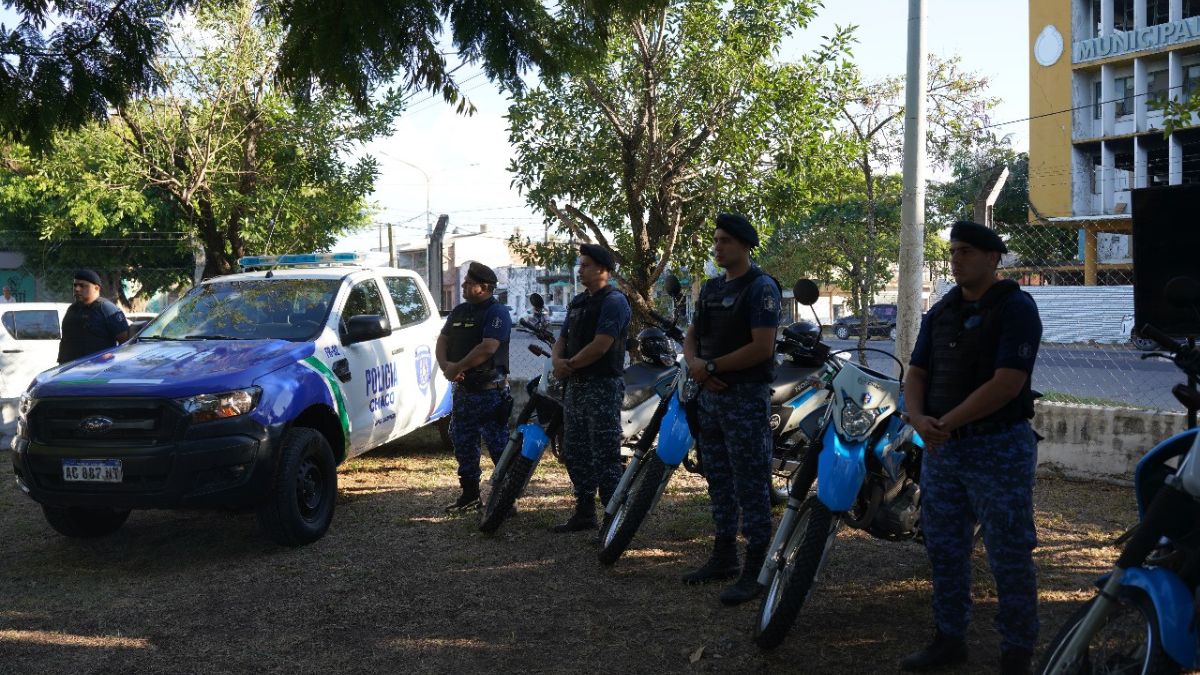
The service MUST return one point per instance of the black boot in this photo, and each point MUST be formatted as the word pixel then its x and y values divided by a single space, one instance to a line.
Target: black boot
pixel 469 499
pixel 943 651
pixel 721 565
pixel 746 588
pixel 1016 661
pixel 583 519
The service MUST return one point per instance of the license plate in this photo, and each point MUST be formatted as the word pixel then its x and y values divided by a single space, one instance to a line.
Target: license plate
pixel 92 470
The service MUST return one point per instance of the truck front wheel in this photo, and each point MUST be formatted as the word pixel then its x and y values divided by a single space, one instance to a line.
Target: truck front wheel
pixel 84 523
pixel 299 507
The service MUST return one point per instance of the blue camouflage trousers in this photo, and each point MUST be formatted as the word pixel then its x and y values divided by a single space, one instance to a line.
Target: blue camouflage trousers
pixel 986 479
pixel 735 449
pixel 592 435
pixel 476 416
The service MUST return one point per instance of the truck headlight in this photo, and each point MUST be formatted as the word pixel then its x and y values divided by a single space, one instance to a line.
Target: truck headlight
pixel 855 420
pixel 25 405
pixel 208 407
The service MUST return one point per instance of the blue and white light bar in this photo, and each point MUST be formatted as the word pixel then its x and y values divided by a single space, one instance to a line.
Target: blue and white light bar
pixel 345 258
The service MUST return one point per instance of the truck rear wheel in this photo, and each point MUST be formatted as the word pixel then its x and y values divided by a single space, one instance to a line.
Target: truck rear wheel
pixel 299 507
pixel 84 523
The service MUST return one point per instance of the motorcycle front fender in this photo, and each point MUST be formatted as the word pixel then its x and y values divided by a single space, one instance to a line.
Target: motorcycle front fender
pixel 1173 605
pixel 841 468
pixel 674 436
pixel 534 443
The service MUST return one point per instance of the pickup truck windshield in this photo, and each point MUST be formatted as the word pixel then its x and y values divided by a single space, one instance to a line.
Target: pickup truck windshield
pixel 259 309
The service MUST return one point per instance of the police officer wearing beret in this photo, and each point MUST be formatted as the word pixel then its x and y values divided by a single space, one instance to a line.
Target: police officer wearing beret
pixel 589 356
pixel 967 392
pixel 472 352
pixel 730 350
pixel 92 323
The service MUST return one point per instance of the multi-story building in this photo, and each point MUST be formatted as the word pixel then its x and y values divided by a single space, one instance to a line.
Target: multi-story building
pixel 1100 73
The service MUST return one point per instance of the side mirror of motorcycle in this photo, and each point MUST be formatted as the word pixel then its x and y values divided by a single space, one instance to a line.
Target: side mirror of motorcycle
pixel 536 300
pixel 806 292
pixel 672 286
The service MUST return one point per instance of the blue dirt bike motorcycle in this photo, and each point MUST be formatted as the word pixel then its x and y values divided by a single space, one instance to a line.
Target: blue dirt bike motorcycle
pixel 866 463
pixel 1144 618
pixel 797 399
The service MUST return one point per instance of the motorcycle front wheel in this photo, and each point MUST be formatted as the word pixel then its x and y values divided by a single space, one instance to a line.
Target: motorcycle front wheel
pixel 505 492
pixel 618 530
pixel 796 568
pixel 1127 642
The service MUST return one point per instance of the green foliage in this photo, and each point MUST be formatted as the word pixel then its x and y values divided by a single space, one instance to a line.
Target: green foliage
pixel 69 62
pixel 690 115
pixel 219 160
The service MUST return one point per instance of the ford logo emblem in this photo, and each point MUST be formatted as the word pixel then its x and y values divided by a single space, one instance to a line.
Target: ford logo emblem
pixel 96 424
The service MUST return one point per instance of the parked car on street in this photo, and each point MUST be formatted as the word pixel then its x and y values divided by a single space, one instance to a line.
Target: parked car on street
pixel 29 336
pixel 558 314
pixel 882 323
pixel 247 392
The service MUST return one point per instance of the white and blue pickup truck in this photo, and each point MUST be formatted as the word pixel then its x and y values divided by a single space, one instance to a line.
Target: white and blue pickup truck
pixel 247 392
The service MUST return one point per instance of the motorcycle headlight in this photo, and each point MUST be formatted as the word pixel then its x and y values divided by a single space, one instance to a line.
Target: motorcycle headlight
pixel 209 407
pixel 25 405
pixel 855 420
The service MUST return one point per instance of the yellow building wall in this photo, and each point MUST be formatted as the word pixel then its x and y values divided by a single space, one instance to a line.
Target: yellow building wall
pixel 1049 92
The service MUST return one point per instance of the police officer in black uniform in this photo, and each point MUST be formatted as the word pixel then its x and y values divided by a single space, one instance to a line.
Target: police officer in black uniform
pixel 589 356
pixel 730 350
pixel 92 323
pixel 967 393
pixel 472 352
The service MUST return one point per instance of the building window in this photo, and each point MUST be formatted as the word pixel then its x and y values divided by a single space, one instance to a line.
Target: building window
pixel 1191 8
pixel 1157 11
pixel 1191 79
pixel 1158 165
pixel 1123 93
pixel 1123 15
pixel 1094 170
pixel 1096 97
pixel 1156 89
pixel 1096 18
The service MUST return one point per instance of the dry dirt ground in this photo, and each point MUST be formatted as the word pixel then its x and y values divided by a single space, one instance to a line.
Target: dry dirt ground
pixel 398 587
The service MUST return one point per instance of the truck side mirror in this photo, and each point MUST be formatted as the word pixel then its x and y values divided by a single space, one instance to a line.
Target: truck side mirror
pixel 365 327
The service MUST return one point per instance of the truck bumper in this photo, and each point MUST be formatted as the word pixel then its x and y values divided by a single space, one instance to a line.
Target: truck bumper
pixel 228 464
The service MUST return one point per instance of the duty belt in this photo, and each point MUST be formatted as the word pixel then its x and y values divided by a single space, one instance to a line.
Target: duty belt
pixel 984 428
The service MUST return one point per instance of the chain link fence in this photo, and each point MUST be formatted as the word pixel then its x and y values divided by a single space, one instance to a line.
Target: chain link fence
pixel 1080 273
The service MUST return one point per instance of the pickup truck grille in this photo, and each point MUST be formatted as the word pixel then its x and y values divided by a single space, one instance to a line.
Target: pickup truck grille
pixel 103 422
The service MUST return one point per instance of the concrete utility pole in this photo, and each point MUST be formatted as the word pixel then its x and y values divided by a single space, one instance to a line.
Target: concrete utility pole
pixel 434 256
pixel 912 215
pixel 988 194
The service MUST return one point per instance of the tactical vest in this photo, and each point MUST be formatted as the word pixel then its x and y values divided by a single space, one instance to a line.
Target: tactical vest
pixel 966 338
pixel 85 330
pixel 723 326
pixel 465 332
pixel 583 316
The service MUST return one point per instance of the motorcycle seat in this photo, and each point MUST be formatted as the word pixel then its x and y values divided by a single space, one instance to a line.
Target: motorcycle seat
pixel 787 378
pixel 640 379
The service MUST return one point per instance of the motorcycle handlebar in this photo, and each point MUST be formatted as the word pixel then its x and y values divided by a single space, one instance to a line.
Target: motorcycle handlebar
pixel 538 351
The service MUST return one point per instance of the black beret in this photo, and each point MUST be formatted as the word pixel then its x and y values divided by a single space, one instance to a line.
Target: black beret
pixel 480 273
pixel 979 236
pixel 738 227
pixel 88 275
pixel 601 255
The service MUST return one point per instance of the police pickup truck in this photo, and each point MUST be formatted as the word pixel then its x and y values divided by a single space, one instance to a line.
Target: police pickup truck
pixel 247 392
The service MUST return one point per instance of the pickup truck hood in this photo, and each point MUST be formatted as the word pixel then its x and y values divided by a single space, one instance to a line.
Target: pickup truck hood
pixel 170 368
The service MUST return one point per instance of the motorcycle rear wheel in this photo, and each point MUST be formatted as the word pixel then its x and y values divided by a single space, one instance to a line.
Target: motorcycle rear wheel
pixel 1129 641
pixel 619 529
pixel 505 493
pixel 787 589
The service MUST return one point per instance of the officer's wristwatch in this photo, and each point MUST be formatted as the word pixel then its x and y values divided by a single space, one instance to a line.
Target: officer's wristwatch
pixel 710 367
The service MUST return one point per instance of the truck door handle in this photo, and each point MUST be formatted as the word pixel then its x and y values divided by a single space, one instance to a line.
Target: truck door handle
pixel 341 368
pixel 11 351
pixel 397 350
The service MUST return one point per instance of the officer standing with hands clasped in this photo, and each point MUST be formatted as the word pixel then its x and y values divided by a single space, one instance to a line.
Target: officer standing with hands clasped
pixel 967 393
pixel 730 351
pixel 589 356
pixel 92 323
pixel 472 352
